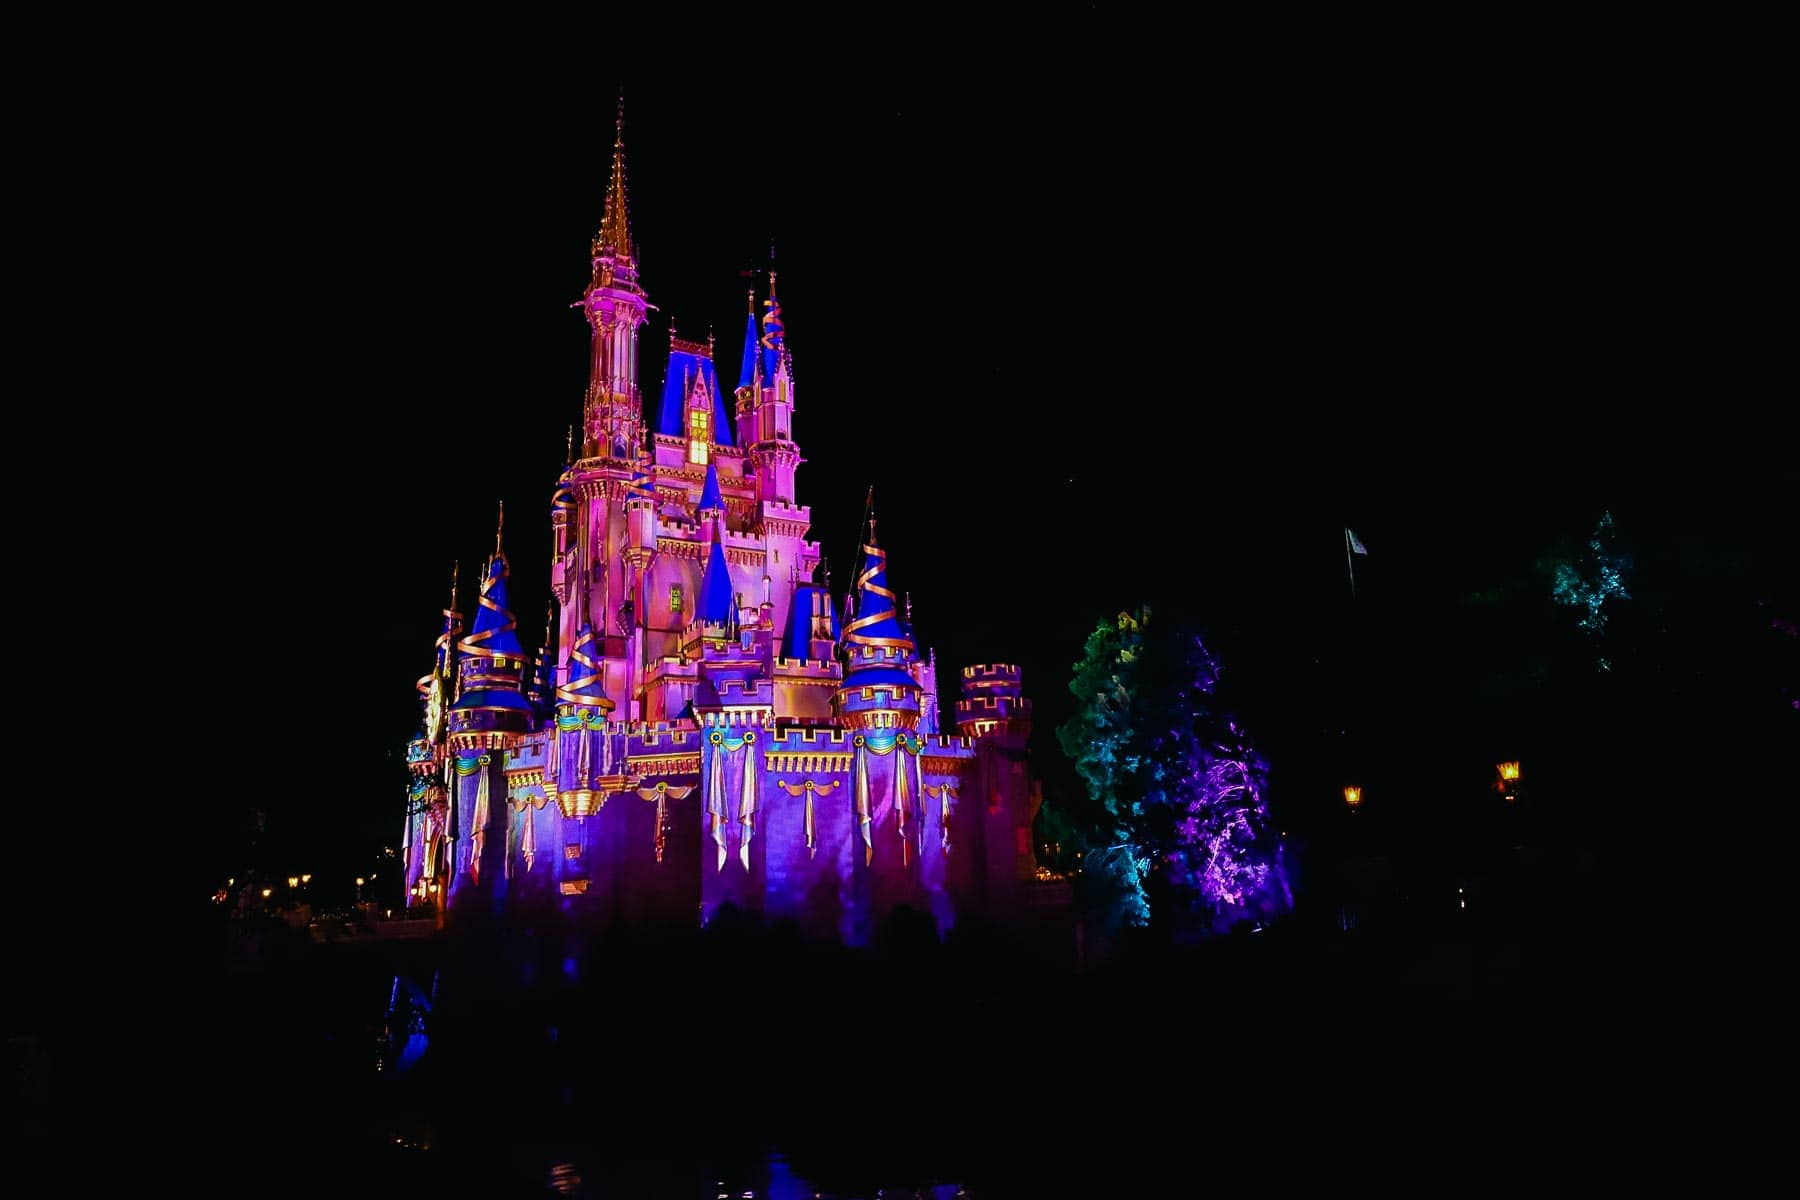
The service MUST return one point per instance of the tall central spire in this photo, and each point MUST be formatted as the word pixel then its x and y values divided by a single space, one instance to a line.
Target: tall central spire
pixel 615 226
pixel 615 307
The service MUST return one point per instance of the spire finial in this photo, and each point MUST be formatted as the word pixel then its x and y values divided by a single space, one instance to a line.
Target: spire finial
pixel 499 528
pixel 615 232
pixel 569 446
pixel 455 571
pixel 752 294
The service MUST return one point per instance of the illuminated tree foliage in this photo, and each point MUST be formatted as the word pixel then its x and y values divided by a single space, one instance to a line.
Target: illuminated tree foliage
pixel 1587 581
pixel 1182 789
pixel 1099 740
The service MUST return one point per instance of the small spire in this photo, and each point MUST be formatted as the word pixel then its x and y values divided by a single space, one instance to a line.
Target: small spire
pixel 500 528
pixel 455 573
pixel 569 446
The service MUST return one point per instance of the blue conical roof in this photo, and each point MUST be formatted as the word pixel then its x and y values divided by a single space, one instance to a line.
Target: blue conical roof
pixel 495 631
pixel 799 628
pixel 771 332
pixel 716 598
pixel 585 684
pixel 684 366
pixel 710 496
pixel 876 622
pixel 747 374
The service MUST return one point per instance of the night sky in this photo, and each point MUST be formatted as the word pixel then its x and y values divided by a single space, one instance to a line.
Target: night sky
pixel 1093 346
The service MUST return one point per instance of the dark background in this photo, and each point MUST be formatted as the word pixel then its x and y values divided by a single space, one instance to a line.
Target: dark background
pixel 1093 346
pixel 1106 315
pixel 1102 326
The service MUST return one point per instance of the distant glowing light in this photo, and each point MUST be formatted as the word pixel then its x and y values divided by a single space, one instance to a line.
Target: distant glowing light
pixel 267 892
pixel 1509 771
pixel 1352 797
pixel 293 881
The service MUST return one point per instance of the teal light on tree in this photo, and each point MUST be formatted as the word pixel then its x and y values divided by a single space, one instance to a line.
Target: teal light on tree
pixel 1588 581
pixel 1180 788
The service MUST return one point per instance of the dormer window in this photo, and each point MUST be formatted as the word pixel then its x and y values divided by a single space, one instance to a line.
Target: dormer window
pixel 699 434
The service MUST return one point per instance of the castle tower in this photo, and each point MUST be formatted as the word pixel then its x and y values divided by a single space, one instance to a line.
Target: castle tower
pixel 773 454
pixel 616 308
pixel 993 703
pixel 424 840
pixel 879 691
pixel 490 716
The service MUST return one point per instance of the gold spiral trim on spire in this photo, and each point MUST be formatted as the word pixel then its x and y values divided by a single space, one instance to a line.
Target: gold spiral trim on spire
pixel 865 582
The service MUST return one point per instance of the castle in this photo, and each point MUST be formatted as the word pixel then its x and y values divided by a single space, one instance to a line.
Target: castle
pixel 701 727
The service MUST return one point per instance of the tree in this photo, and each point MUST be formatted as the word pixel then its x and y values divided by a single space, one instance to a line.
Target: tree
pixel 1178 785
pixel 1100 741
pixel 1588 580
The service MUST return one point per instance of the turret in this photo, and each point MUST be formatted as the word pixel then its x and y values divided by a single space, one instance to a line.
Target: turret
pixel 770 391
pixel 812 625
pixel 879 691
pixel 490 702
pixel 581 756
pixel 615 307
pixel 992 702
pixel 437 686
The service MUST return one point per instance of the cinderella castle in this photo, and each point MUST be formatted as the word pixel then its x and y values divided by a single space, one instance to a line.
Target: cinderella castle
pixel 705 723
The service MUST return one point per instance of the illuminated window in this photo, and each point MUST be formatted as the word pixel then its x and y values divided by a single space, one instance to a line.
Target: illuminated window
pixel 699 434
pixel 675 598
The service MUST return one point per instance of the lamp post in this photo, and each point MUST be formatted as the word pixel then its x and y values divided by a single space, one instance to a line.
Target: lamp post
pixel 1352 797
pixel 1509 781
pixel 359 887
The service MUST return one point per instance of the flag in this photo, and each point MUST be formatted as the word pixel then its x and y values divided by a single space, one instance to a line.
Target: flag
pixel 1356 547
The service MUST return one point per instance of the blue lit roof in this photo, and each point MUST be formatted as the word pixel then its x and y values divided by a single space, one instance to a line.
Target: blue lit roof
pixel 672 418
pixel 715 589
pixel 495 631
pixel 799 629
pixel 710 496
pixel 747 375
pixel 876 622
pixel 585 686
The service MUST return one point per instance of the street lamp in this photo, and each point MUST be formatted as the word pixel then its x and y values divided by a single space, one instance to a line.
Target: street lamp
pixel 359 883
pixel 293 881
pixel 306 879
pixel 1352 797
pixel 1509 781
pixel 267 892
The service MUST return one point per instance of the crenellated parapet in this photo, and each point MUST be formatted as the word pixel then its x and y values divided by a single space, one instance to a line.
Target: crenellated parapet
pixel 993 701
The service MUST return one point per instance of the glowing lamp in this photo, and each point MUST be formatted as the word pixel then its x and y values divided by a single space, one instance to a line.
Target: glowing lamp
pixel 359 881
pixel 306 879
pixel 1352 797
pixel 293 881
pixel 1509 771
pixel 267 892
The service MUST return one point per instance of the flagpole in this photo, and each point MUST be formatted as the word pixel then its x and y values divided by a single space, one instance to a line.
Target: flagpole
pixel 1349 563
